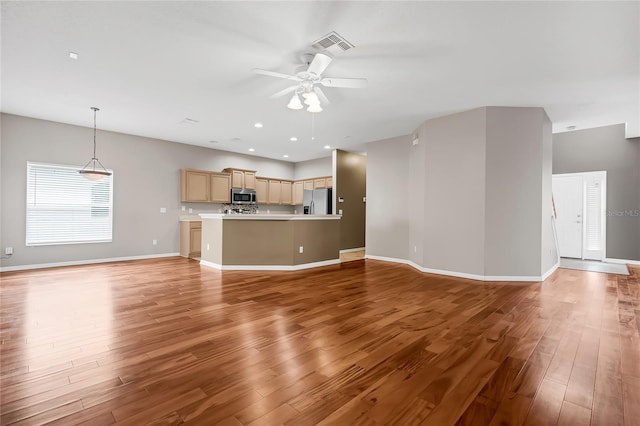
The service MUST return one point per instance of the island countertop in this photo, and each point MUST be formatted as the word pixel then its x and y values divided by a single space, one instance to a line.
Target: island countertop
pixel 269 216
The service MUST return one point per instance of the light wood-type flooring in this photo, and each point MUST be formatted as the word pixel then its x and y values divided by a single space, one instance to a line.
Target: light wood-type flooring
pixel 168 342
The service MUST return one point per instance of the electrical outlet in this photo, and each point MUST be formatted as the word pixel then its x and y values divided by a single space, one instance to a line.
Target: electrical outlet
pixel 340 211
pixel 364 199
pixel 184 209
pixel 8 250
pixel 163 209
pixel 190 210
pixel 155 242
pixel 301 249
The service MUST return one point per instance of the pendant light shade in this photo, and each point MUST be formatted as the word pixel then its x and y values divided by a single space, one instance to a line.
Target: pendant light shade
pixel 91 171
pixel 315 108
pixel 295 103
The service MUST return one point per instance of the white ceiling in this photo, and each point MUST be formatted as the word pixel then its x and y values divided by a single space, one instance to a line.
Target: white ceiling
pixel 149 65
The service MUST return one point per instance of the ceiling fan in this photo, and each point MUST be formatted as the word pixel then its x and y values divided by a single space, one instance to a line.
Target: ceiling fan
pixel 307 79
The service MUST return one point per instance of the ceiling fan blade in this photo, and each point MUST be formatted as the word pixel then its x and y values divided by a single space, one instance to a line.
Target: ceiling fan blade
pixel 321 96
pixel 351 83
pixel 276 74
pixel 283 92
pixel 319 63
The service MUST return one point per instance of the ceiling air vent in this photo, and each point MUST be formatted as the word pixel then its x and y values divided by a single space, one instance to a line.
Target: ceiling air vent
pixel 332 42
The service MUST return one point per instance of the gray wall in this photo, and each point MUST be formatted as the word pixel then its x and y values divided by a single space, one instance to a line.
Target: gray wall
pixel 605 148
pixel 388 206
pixel 146 178
pixel 454 190
pixel 478 182
pixel 313 168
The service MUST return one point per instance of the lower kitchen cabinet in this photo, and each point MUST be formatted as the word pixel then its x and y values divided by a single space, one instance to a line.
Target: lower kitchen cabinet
pixel 190 238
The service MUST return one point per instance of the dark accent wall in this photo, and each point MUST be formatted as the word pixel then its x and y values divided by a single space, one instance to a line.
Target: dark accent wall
pixel 605 148
pixel 351 185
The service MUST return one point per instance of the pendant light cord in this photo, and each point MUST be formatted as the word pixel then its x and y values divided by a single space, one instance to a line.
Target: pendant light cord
pixel 95 110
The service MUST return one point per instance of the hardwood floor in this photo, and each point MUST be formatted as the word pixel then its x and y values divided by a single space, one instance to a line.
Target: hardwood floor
pixel 364 342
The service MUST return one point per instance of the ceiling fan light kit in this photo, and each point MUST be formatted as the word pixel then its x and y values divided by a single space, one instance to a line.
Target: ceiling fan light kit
pixel 306 80
pixel 295 103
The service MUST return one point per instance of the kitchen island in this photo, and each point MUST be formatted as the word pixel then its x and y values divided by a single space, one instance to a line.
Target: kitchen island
pixel 269 241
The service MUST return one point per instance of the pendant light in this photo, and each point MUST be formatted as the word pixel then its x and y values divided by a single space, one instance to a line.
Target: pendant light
pixel 295 103
pixel 89 171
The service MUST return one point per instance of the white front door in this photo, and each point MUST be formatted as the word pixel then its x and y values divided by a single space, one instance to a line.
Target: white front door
pixel 567 196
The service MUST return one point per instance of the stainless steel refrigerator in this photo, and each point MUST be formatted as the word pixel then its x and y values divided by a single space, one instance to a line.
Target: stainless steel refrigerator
pixel 317 201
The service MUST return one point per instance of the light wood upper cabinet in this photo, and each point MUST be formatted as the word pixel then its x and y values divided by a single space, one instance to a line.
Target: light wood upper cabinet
pixel 329 182
pixel 297 193
pixel 319 183
pixel 308 184
pixel 249 180
pixel 275 189
pixel 262 190
pixel 285 192
pixel 194 186
pixel 242 179
pixel 220 187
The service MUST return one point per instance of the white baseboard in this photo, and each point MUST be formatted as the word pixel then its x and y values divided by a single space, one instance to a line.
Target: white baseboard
pixel 352 250
pixel 521 278
pixel 623 261
pixel 551 270
pixel 84 262
pixel 269 267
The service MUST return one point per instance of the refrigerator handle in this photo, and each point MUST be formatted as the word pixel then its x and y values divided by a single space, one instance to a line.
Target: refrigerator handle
pixel 312 209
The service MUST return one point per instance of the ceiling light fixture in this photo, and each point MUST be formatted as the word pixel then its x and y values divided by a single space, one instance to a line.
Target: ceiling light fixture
pixel 311 99
pixel 285 156
pixel 327 147
pixel 293 139
pixel 258 125
pixel 314 108
pixel 73 55
pixel 295 103
pixel 251 149
pixel 89 171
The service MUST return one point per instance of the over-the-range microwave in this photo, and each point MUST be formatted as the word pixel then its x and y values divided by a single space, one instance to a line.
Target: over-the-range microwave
pixel 243 196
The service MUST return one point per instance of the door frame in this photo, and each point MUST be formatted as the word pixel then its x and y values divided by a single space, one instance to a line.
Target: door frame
pixel 602 174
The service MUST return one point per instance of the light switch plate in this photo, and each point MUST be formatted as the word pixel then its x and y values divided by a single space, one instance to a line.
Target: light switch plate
pixel 163 209
pixel 340 211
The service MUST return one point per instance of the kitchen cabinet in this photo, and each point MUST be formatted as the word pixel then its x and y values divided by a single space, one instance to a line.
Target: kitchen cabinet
pixel 319 183
pixel 274 193
pixel 220 188
pixel 199 186
pixel 297 193
pixel 190 238
pixel 194 186
pixel 285 192
pixel 242 179
pixel 329 182
pixel 262 190
pixel 308 184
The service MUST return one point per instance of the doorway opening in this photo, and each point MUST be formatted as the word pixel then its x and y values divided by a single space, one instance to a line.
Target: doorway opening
pixel 580 201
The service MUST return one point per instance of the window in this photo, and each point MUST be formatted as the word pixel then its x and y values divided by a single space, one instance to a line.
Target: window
pixel 65 208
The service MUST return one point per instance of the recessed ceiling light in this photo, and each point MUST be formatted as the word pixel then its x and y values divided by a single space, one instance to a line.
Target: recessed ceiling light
pixel 327 147
pixel 347 137
pixel 571 127
pixel 285 156
pixel 236 140
pixel 293 139
pixel 73 55
pixel 213 142
pixel 258 125
pixel 251 149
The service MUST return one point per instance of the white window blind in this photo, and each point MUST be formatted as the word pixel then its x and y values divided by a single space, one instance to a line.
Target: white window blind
pixel 65 208
pixel 593 229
